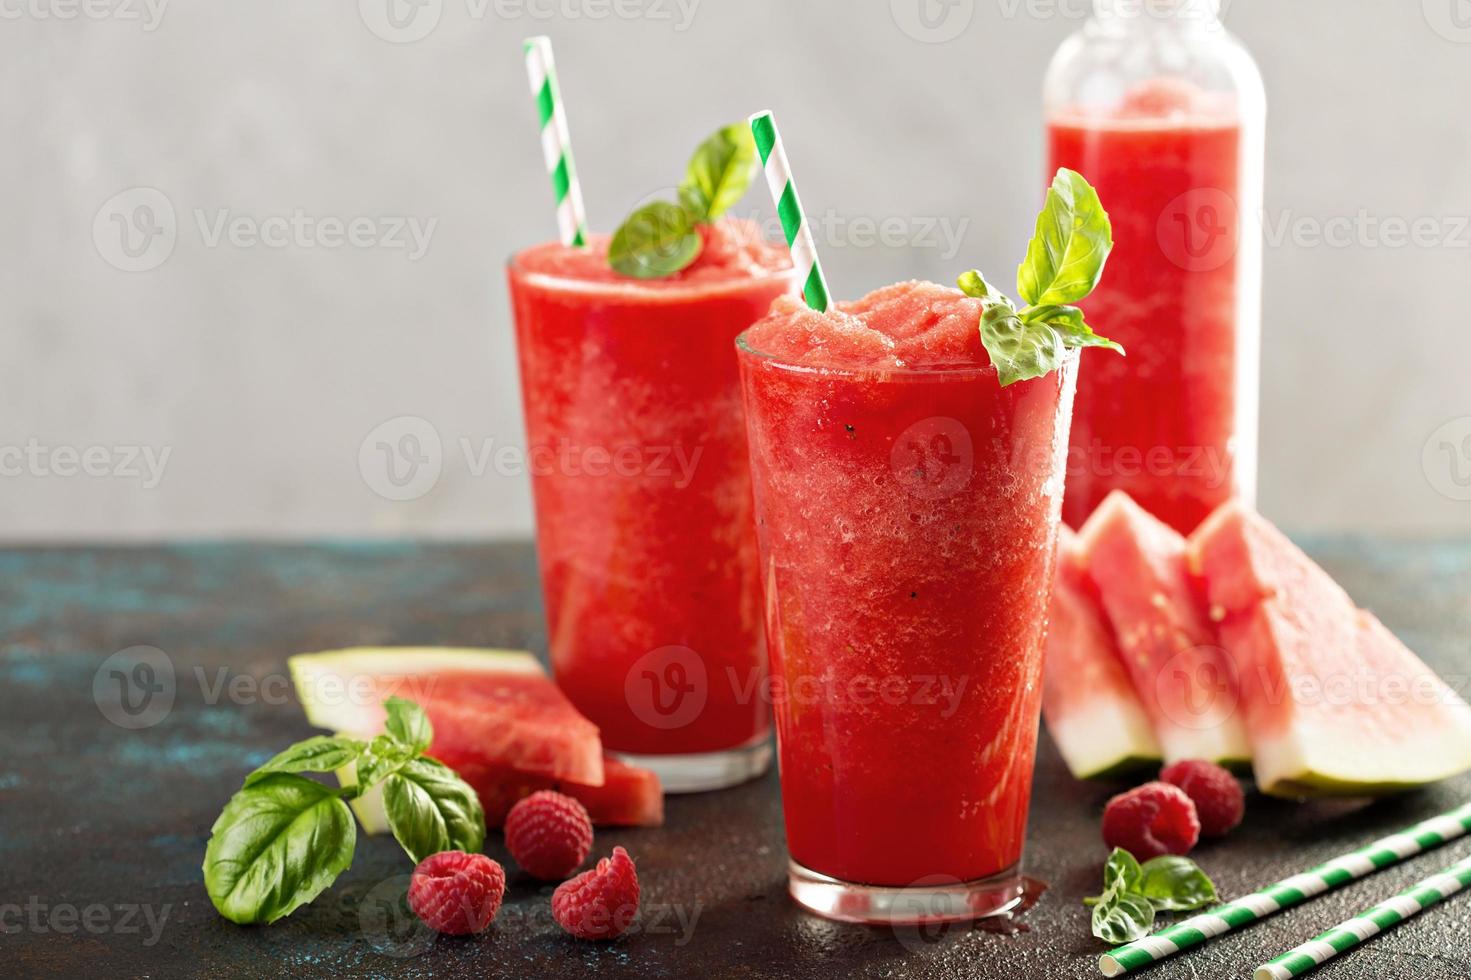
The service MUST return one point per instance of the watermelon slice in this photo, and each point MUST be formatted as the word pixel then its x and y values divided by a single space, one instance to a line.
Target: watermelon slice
pixel 1335 704
pixel 629 797
pixel 498 721
pixel 1088 701
pixel 496 705
pixel 1185 681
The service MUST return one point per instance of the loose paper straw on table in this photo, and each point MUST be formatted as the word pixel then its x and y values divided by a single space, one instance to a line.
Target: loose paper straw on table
pixel 789 208
pixel 556 144
pixel 1287 892
pixel 1368 924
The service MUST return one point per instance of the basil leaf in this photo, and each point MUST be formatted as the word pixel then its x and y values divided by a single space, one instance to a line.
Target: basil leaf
pixel 1176 884
pixel 1122 917
pixel 1068 322
pixel 320 753
pixel 431 809
pixel 385 756
pixel 276 846
pixel 1018 349
pixel 719 173
pixel 1070 245
pixel 408 724
pixel 972 283
pixel 657 240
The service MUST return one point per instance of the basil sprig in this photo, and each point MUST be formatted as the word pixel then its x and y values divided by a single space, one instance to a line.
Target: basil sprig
pixel 661 238
pixel 284 838
pixel 1065 260
pixel 1134 893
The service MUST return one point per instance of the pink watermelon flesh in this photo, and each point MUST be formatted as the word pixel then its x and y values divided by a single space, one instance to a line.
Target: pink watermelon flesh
pixel 629 796
pixel 1335 704
pixel 519 721
pixel 1185 680
pixel 1088 701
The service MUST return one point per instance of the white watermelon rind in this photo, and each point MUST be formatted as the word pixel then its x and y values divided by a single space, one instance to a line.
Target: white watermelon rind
pixel 1105 740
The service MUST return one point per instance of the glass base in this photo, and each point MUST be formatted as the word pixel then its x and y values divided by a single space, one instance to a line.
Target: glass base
pixel 923 903
pixel 699 772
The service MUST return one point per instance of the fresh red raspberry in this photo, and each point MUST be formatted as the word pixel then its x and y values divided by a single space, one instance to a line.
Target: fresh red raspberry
pixel 549 834
pixel 1151 820
pixel 457 893
pixel 601 903
pixel 1217 795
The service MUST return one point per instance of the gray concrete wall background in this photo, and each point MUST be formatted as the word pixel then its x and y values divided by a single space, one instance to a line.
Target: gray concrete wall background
pixel 232 387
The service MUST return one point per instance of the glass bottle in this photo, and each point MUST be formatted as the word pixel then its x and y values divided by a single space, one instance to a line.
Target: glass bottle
pixel 1164 112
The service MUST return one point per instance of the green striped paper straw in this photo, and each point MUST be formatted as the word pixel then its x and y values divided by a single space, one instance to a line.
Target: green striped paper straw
pixel 556 143
pixel 789 208
pixel 1368 924
pixel 1288 892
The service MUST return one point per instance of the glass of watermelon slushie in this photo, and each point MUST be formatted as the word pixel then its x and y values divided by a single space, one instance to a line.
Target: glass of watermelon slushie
pixel 907 508
pixel 638 460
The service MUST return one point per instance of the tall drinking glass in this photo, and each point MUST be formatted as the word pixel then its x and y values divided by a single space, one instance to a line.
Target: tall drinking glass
pixel 907 507
pixel 638 461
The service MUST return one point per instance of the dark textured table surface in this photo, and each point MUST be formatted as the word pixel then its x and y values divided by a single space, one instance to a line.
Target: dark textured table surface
pixel 102 828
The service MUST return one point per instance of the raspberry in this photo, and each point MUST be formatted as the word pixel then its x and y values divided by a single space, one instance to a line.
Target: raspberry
pixel 601 903
pixel 1151 820
pixel 457 893
pixel 1217 795
pixel 549 834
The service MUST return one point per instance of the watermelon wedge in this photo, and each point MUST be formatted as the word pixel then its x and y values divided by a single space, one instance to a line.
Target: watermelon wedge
pixel 629 797
pixel 1088 701
pixel 1184 679
pixel 499 722
pixel 1335 704
pixel 496 705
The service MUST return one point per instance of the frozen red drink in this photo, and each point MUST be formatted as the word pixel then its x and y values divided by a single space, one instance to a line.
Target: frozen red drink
pixel 907 506
pixel 643 499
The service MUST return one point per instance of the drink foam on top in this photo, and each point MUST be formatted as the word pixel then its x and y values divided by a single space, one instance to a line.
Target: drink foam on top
pixel 734 249
pixel 909 325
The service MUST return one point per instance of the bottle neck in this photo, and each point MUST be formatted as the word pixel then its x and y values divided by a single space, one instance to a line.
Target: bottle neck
pixel 1157 14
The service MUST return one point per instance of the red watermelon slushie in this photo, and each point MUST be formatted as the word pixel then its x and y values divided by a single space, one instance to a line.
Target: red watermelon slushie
pixel 643 498
pixel 907 508
pixel 1174 424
